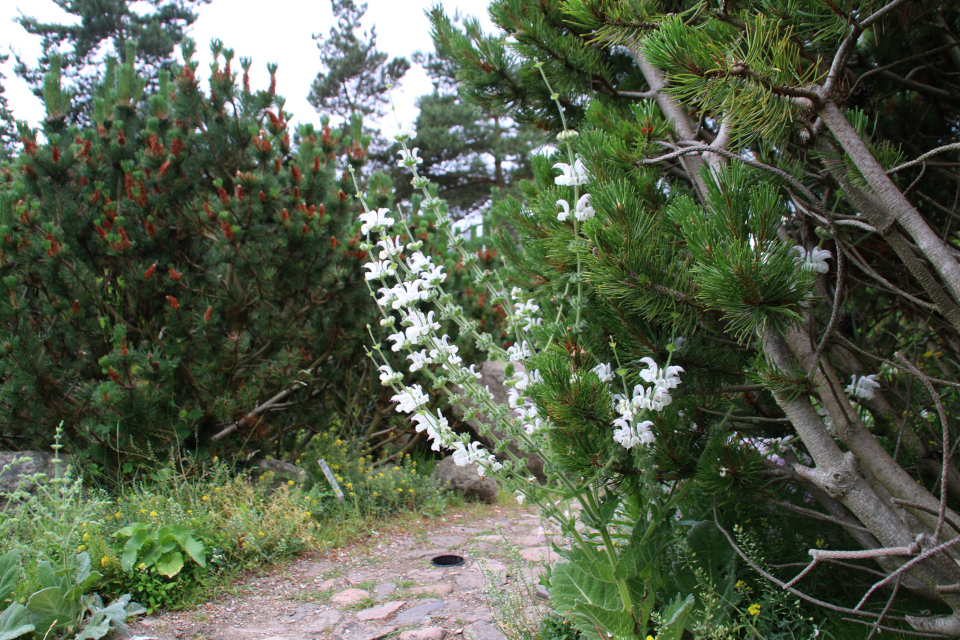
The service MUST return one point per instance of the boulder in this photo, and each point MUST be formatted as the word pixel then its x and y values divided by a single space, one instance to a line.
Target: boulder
pixel 465 481
pixel 17 477
pixel 282 472
pixel 492 376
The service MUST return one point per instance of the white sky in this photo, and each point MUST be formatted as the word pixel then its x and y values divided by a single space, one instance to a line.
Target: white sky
pixel 273 31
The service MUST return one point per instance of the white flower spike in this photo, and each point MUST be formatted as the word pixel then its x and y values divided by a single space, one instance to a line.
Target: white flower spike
pixel 863 387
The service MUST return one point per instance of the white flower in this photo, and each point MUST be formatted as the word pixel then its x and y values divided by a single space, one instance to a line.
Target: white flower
pixel 723 472
pixel 584 210
pixel 473 454
pixel 406 293
pixel 604 372
pixel 666 378
pixel 419 358
pixel 375 220
pixel 408 157
pixel 405 133
pixel 386 297
pixel 419 325
pixel 379 269
pixel 629 435
pixel 436 427
pixel 563 204
pixel 399 341
pixel 392 247
pixel 411 399
pixel 572 175
pixel 473 371
pixel 388 375
pixel 418 262
pixel 520 496
pixel 519 352
pixel 433 277
pixel 863 387
pixel 445 352
pixel 815 260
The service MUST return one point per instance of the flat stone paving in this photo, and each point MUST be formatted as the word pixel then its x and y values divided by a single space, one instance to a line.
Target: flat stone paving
pixel 388 589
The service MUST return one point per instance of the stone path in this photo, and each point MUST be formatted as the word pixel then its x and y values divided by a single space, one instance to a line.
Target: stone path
pixel 387 588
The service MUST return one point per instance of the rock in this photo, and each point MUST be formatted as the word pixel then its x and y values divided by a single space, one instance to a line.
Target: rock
pixel 300 613
pixel 380 612
pixel 438 590
pixel 482 631
pixel 324 621
pixel 449 542
pixel 419 612
pixel 315 569
pixel 430 633
pixel 469 580
pixel 283 472
pixel 349 597
pixel 357 631
pixel 384 589
pixel 466 481
pixel 535 554
pixel 492 376
pixel 17 477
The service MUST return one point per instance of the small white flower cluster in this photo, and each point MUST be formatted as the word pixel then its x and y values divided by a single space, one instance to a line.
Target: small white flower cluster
pixel 630 432
pixel 583 213
pixel 522 406
pixel 573 175
pixel 863 386
pixel 769 448
pixel 524 313
pixel 814 260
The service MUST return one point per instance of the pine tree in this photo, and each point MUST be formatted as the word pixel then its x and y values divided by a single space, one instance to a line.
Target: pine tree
pixel 103 30
pixel 8 129
pixel 772 204
pixel 466 152
pixel 175 265
pixel 355 76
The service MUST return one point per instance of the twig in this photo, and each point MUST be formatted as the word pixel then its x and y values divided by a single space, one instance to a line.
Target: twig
pixel 945 440
pixel 926 555
pixel 919 160
pixel 864 554
pixel 735 418
pixel 780 583
pixel 816 515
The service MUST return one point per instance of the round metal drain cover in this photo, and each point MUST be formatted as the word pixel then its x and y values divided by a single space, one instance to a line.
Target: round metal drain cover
pixel 447 561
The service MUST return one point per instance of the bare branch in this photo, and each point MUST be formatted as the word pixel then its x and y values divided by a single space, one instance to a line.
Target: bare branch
pixel 933 152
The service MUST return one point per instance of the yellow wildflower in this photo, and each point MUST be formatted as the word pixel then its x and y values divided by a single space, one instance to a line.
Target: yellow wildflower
pixel 290 482
pixel 205 498
pixel 81 547
pixel 260 533
pixel 753 609
pixel 153 514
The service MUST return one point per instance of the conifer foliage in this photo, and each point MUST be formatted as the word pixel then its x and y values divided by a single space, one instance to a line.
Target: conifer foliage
pixel 178 270
pixel 356 75
pixel 102 30
pixel 771 192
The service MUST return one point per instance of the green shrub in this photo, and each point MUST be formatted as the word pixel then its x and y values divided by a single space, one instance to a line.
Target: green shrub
pixel 174 264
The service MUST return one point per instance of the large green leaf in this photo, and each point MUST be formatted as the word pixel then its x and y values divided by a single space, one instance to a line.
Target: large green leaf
pixel 98 627
pixel 132 548
pixel 50 610
pixel 614 623
pixel 15 622
pixel 9 571
pixel 675 618
pixel 170 563
pixel 570 585
pixel 195 550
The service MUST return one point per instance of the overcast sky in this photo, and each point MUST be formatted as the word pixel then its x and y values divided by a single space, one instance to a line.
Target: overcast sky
pixel 272 31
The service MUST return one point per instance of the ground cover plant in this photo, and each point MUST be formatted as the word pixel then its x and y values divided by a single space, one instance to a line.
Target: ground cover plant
pixel 732 306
